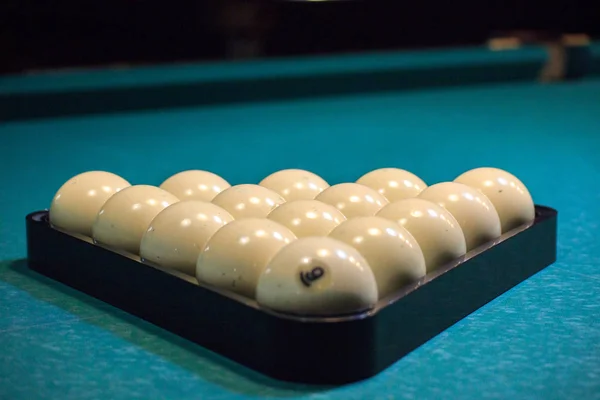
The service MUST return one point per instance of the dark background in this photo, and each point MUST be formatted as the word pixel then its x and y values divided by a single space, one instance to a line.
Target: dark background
pixel 58 34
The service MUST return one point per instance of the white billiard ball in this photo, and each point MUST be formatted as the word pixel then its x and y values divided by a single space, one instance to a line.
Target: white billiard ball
pixel 507 193
pixel 438 233
pixel 76 204
pixel 353 199
pixel 125 216
pixel 307 217
pixel 392 252
pixel 236 255
pixel 393 183
pixel 178 233
pixel 248 201
pixel 195 185
pixel 317 276
pixel 474 212
pixel 295 184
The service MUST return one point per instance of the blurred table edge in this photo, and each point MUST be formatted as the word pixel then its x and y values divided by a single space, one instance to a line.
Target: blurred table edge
pixel 121 89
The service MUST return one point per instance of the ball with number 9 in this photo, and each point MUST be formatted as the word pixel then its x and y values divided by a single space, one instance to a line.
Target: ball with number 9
pixel 317 276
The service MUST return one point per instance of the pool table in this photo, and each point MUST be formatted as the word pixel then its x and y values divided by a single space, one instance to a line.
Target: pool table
pixel 436 113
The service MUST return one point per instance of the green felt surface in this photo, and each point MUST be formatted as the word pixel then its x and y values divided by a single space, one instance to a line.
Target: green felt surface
pixel 537 341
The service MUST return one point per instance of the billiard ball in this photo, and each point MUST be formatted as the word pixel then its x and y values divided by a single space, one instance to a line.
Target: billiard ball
pixel 195 185
pixel 472 209
pixel 317 276
pixel 393 183
pixel 248 201
pixel 236 255
pixel 126 215
pixel 508 194
pixel 307 217
pixel 295 184
pixel 391 251
pixel 438 233
pixel 178 233
pixel 76 204
pixel 353 199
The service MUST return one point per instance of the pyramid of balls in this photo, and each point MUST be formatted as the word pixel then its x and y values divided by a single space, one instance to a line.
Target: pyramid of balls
pixel 294 243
